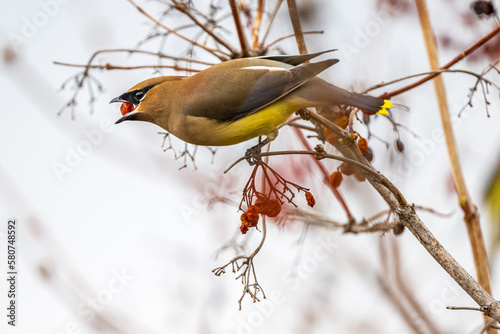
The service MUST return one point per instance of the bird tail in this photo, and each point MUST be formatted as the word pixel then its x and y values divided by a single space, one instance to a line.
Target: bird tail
pixel 368 103
pixel 318 92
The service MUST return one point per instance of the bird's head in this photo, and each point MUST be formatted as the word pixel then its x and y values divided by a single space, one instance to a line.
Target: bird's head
pixel 142 102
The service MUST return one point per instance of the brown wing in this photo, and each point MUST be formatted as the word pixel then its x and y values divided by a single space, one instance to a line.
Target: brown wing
pixel 248 87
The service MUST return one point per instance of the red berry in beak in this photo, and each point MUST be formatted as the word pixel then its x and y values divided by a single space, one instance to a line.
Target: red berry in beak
pixel 126 108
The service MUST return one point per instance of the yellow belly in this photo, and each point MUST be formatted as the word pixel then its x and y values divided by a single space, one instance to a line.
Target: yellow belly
pixel 259 124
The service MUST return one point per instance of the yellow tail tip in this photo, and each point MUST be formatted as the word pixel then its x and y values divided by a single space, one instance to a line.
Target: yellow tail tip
pixel 387 104
pixel 382 111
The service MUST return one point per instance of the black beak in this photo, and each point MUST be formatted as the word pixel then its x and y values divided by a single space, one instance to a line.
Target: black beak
pixel 136 116
pixel 117 99
pixel 129 116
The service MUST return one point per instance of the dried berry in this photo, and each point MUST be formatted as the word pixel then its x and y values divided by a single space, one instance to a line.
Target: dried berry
pixel 330 136
pixel 362 144
pixel 398 229
pixel 310 199
pixel 359 176
pixel 368 154
pixel 253 213
pixel 347 169
pixel 261 204
pixel 400 146
pixel 336 179
pixel 268 207
pixel 274 208
pixel 483 8
pixel 341 120
pixel 243 229
pixel 249 218
pixel 245 221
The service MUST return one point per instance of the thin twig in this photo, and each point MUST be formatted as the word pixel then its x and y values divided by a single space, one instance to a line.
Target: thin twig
pixel 216 52
pixel 465 308
pixel 297 29
pixel 256 24
pixel 270 24
pixel 320 155
pixel 183 9
pixel 292 35
pixel 480 77
pixel 455 60
pixel 237 22
pixel 390 290
pixel 407 292
pixel 109 66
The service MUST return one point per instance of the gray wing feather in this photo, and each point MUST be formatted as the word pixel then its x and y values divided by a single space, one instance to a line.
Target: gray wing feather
pixel 274 85
pixel 295 60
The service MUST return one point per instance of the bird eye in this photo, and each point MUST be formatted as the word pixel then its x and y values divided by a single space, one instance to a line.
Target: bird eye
pixel 139 95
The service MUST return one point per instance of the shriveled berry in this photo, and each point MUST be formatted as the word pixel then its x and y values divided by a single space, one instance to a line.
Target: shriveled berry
pixel 400 228
pixel 341 120
pixel 253 213
pixel 359 176
pixel 483 8
pixel 362 144
pixel 400 146
pixel 243 229
pixel 330 136
pixel 347 169
pixel 250 218
pixel 310 199
pixel 368 154
pixel 335 179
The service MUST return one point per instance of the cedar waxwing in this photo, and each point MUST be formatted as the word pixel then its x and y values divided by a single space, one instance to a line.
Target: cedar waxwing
pixel 238 99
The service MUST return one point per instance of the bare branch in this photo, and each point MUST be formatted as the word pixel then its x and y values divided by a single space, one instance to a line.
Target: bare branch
pixel 241 35
pixel 217 53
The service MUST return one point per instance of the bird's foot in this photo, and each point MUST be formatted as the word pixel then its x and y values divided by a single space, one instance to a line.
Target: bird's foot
pixel 305 114
pixel 253 154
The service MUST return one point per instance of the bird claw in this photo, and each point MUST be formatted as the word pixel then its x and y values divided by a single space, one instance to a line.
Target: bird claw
pixel 305 114
pixel 252 155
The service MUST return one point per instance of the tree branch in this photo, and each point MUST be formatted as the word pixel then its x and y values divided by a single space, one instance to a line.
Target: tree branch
pixel 455 60
pixel 470 211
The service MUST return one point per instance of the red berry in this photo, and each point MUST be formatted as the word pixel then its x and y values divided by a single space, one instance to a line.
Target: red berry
pixel 273 208
pixel 253 213
pixel 362 144
pixel 243 229
pixel 127 107
pixel 310 199
pixel 336 179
